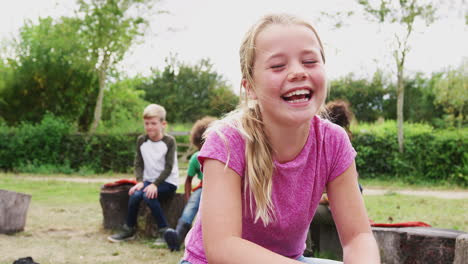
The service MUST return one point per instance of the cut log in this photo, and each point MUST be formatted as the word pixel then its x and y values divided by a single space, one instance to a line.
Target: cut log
pixel 415 245
pixel 172 208
pixel 114 204
pixel 461 249
pixel 13 211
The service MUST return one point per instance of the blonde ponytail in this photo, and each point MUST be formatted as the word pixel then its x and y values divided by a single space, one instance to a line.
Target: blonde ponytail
pixel 259 165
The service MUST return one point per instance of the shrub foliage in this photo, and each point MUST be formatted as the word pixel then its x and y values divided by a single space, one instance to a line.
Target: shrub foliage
pixel 430 155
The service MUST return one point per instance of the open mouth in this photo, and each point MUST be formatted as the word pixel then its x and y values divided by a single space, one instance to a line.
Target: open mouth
pixel 297 96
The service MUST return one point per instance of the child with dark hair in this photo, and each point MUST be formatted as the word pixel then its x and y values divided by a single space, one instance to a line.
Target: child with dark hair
pixel 339 112
pixel 174 238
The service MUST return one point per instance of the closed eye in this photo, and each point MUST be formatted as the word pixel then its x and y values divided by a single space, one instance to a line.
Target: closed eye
pixel 309 62
pixel 277 66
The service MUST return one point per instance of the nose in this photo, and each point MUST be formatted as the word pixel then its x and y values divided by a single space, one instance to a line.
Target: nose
pixel 297 74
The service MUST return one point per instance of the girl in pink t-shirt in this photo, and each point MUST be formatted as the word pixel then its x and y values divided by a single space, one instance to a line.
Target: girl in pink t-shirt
pixel 267 163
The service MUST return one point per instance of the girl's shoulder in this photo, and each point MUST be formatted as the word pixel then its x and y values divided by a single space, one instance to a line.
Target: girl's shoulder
pixel 327 129
pixel 226 131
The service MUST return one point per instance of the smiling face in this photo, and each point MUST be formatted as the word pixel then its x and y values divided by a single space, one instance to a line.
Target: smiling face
pixel 288 74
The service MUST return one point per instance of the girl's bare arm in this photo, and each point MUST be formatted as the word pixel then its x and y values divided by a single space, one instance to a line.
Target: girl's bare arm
pixel 222 220
pixel 352 222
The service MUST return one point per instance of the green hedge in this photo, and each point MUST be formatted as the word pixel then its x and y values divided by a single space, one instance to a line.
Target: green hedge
pixel 52 147
pixel 430 155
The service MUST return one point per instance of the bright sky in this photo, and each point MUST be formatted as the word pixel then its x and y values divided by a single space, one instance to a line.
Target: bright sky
pixel 214 28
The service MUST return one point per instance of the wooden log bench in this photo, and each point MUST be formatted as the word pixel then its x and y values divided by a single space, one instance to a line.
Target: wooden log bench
pixel 402 245
pixel 417 245
pixel 13 211
pixel 114 204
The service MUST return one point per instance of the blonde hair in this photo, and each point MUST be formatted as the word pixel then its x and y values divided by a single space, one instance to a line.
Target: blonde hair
pixel 154 110
pixel 247 119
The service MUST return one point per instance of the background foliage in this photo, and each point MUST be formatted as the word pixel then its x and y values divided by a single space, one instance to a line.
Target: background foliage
pixel 189 92
pixel 49 73
pixel 432 155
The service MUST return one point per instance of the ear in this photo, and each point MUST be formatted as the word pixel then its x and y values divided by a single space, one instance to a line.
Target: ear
pixel 248 89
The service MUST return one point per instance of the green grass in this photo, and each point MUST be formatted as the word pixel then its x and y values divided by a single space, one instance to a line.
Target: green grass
pixel 47 191
pixel 392 182
pixel 396 208
pixel 183 127
pixel 64 223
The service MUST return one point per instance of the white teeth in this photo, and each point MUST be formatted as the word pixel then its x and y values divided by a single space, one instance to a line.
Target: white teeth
pixel 299 100
pixel 297 92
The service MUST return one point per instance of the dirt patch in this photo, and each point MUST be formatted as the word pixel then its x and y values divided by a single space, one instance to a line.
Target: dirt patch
pixel 76 235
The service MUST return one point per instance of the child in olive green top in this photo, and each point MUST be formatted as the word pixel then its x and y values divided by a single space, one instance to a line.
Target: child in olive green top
pixel 156 172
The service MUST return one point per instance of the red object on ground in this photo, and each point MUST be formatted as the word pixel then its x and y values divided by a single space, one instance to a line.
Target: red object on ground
pixel 404 224
pixel 121 182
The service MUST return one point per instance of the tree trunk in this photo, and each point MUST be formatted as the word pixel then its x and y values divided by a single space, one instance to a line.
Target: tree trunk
pixel 13 211
pixel 102 85
pixel 400 101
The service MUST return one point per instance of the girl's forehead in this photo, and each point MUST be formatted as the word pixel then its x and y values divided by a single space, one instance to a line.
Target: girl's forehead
pixel 277 37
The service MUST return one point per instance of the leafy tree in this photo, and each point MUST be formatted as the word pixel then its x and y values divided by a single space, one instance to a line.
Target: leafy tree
pixel 420 97
pixel 366 97
pixel 190 92
pixel 49 72
pixel 123 106
pixel 451 92
pixel 111 27
pixel 406 14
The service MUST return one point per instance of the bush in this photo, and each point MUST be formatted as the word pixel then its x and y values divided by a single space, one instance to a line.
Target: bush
pixel 33 144
pixel 430 155
pixel 53 146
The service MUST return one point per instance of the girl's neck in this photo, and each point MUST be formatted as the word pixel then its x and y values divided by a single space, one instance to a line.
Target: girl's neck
pixel 287 141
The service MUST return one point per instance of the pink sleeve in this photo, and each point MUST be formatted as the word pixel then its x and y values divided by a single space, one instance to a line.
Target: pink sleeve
pixel 340 152
pixel 229 150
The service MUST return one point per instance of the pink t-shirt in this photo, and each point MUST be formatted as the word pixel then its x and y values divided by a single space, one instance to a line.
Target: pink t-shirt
pixel 296 191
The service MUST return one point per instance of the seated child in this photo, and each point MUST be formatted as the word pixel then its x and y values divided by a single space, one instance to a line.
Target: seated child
pixel 174 238
pixel 156 172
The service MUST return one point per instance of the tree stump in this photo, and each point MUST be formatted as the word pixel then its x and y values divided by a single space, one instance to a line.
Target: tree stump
pixel 114 204
pixel 172 208
pixel 461 249
pixel 415 245
pixel 13 211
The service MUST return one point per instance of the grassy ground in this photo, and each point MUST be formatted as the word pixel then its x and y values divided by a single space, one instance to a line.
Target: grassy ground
pixel 64 223
pixel 396 183
pixel 396 208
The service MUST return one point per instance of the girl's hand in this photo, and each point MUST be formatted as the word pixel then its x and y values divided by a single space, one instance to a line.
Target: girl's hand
pixel 151 191
pixel 136 187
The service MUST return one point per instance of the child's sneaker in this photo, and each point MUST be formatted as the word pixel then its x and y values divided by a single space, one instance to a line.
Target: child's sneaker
pixel 172 239
pixel 160 240
pixel 127 233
